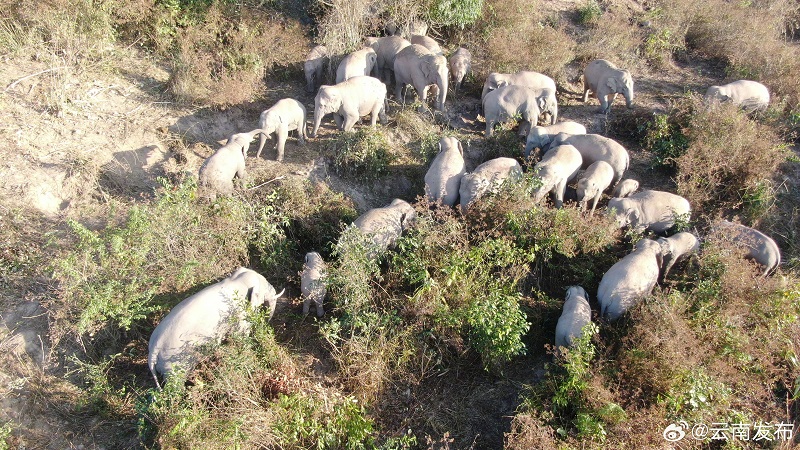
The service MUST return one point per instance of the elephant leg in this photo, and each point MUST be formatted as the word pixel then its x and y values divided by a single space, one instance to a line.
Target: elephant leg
pixel 373 115
pixel 349 122
pixel 611 97
pixel 283 134
pixel 603 103
pixel 398 93
pixel 558 191
pixel 585 92
pixel 338 118
pixel 489 127
pixel 382 112
pixel 594 204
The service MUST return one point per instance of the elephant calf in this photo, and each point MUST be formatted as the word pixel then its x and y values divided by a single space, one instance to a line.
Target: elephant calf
pixel 625 188
pixel 460 65
pixel 217 173
pixel 349 101
pixel 630 279
pixel 606 80
pixel 760 247
pixel 487 178
pixel 591 184
pixel 285 116
pixel 748 95
pixel 656 211
pixel 541 137
pixel 206 317
pixel 576 315
pixel 556 169
pixel 383 226
pixel 312 283
pixel 594 147
pixel 677 248
pixel 444 176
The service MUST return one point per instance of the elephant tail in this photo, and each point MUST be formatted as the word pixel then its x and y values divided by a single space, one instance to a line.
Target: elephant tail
pixel 151 363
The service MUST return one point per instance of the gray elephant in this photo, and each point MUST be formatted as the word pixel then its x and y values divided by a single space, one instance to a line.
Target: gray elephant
pixel 506 103
pixel 314 67
pixel 286 115
pixel 591 184
pixel 556 169
pixel 387 49
pixel 460 65
pixel 383 226
pixel 594 147
pixel 487 178
pixel 312 283
pixel 625 188
pixel 676 248
pixel 427 42
pixel 605 81
pixel 217 173
pixel 359 62
pixel 629 280
pixel 575 315
pixel 206 317
pixel 656 211
pixel 748 95
pixel 541 137
pixel 417 66
pixel 760 247
pixel 533 80
pixel 444 175
pixel 349 101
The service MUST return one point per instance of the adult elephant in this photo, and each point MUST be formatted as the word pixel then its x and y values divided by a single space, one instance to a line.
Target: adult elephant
pixel 444 176
pixel 656 211
pixel 349 101
pixel 360 62
pixel 428 43
pixel 606 80
pixel 507 102
pixel 593 148
pixel 746 94
pixel 630 279
pixel 417 66
pixel 533 80
pixel 387 49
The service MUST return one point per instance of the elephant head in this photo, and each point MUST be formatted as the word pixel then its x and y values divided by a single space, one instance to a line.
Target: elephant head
pixel 408 214
pixel 549 180
pixel 716 93
pixel 243 140
pixel 548 104
pixel 650 244
pixel 586 190
pixel 258 288
pixel 434 70
pixel 622 82
pixel 328 100
pixel 493 81
pixel 625 212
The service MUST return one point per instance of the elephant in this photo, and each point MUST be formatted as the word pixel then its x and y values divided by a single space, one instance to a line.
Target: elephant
pixel 217 173
pixel 314 67
pixel 207 317
pixel 487 178
pixel 383 226
pixel 676 248
pixel 417 66
pixel 760 247
pixel 533 80
pixel 656 211
pixel 427 42
pixel 312 283
pixel 594 147
pixel 505 103
pixel 631 278
pixel 387 49
pixel 360 62
pixel 444 176
pixel 286 115
pixel 575 316
pixel 591 184
pixel 748 95
pixel 625 188
pixel 540 137
pixel 460 65
pixel 556 169
pixel 349 100
pixel 606 80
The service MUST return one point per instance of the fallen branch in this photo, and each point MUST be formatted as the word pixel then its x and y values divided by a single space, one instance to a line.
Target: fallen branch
pixel 267 182
pixel 10 86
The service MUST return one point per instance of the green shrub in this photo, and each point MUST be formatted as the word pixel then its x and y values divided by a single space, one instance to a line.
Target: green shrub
pixel 306 421
pixel 365 153
pixel 589 13
pixel 455 12
pixel 663 137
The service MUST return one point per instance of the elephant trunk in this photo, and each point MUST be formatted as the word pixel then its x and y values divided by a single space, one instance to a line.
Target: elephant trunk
pixel 554 114
pixel 318 114
pixel 310 82
pixel 629 99
pixel 261 141
pixel 443 85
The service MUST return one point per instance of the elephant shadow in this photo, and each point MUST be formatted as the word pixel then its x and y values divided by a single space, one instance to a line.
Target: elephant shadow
pixel 134 173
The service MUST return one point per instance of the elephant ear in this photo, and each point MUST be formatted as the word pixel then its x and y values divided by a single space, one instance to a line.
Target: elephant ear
pixel 612 84
pixel 460 149
pixel 427 68
pixel 256 296
pixel 501 83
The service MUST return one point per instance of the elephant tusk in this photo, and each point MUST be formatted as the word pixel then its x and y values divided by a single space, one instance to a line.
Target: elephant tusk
pixel 277 296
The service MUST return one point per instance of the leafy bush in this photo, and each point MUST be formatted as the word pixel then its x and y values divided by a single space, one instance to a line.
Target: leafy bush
pixel 455 12
pixel 589 13
pixel 308 421
pixel 365 153
pixel 664 138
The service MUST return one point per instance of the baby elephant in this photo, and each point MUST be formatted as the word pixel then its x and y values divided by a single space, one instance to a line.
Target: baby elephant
pixel 760 247
pixel 444 176
pixel 576 314
pixel 487 179
pixel 606 80
pixel 312 283
pixel 556 169
pixel 383 226
pixel 591 184
pixel 748 95
pixel 219 170
pixel 625 188
pixel 286 115
pixel 656 211
pixel 541 137
pixel 677 248
pixel 206 317
pixel 630 279
pixel 460 66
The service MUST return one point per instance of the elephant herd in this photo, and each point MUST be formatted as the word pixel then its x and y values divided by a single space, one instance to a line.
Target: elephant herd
pixel 593 162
